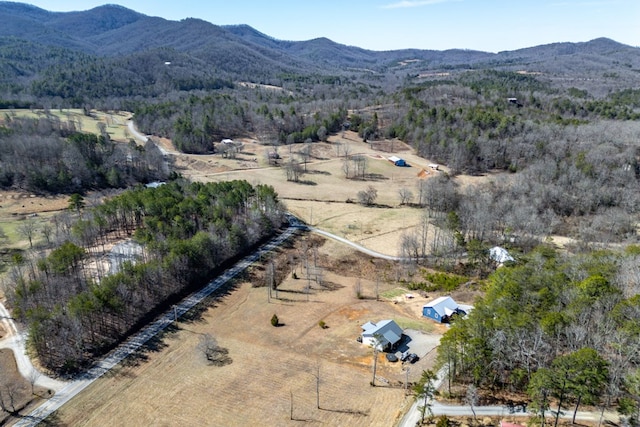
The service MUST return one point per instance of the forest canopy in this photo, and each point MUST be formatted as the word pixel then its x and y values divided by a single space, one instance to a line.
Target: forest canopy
pixel 76 310
pixel 553 326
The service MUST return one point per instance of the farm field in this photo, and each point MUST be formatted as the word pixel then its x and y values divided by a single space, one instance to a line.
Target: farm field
pixel 114 122
pixel 324 198
pixel 173 384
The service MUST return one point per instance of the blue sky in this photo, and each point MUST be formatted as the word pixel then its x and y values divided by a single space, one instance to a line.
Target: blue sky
pixel 487 25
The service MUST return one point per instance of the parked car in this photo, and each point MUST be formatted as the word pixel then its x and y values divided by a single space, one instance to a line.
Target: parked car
pixel 413 358
pixel 391 357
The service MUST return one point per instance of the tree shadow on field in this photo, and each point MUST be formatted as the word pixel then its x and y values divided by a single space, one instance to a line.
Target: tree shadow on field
pixel 154 345
pixel 306 182
pixel 196 314
pixel 375 177
pixel 158 343
pixel 348 411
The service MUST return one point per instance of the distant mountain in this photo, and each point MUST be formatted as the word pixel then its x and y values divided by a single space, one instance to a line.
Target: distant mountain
pixel 242 52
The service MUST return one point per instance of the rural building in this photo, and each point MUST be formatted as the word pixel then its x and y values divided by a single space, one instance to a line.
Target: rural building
pixel 397 161
pixel 154 184
pixel 500 255
pixel 441 309
pixel 514 101
pixel 384 335
pixel 434 166
pixel 227 141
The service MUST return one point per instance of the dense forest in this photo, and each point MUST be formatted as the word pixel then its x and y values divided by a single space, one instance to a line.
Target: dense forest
pixel 47 155
pixel 76 308
pixel 561 328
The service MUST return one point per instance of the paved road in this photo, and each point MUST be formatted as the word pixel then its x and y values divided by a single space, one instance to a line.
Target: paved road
pixel 134 131
pixel 412 416
pixel 144 138
pixel 355 245
pixel 15 341
pixel 68 391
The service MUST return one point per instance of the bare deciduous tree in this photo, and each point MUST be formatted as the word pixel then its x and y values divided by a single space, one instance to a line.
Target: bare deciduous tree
pixel 406 196
pixel 368 197
pixel 27 230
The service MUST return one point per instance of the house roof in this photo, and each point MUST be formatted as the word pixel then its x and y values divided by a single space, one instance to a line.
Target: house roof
pixel 387 329
pixel 444 306
pixel 500 255
pixel 394 159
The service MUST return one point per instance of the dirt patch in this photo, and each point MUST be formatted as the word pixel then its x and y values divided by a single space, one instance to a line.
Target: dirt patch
pixel 16 392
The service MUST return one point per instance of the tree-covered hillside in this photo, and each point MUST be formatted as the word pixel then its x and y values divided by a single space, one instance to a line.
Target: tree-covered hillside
pixel 76 310
pixel 559 328
pixel 47 155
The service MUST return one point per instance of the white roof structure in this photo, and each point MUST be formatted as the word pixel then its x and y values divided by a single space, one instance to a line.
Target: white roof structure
pixel 441 309
pixel 394 159
pixel 381 334
pixel 444 306
pixel 500 255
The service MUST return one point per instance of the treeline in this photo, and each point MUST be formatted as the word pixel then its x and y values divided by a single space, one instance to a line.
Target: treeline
pixel 49 155
pixel 554 326
pixel 195 122
pixel 490 119
pixel 76 311
pixel 49 77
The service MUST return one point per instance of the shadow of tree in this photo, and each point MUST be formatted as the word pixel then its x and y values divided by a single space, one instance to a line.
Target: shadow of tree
pixel 348 411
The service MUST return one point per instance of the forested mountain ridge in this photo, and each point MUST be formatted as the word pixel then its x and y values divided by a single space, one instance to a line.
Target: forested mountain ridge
pixel 112 30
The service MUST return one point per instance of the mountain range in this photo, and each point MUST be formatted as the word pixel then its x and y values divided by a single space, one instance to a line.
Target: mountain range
pixel 112 31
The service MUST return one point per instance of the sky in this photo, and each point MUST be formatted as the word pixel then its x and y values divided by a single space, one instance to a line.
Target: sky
pixel 486 25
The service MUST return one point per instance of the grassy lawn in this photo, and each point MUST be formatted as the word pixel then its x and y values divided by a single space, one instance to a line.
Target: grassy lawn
pixel 393 293
pixel 116 122
pixel 418 325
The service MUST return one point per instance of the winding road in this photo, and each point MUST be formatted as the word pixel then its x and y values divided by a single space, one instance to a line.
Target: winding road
pixel 65 391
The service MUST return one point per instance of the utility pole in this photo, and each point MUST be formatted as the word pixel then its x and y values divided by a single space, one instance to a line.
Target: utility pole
pixel 406 382
pixel 318 386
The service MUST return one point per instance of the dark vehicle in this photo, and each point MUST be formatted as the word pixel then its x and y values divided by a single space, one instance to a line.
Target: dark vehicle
pixel 391 357
pixel 413 358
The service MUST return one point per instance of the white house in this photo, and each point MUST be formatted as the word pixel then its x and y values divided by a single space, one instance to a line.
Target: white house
pixel 383 335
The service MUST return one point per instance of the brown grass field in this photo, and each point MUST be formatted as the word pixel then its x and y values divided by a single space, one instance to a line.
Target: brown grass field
pixel 171 383
pixel 272 378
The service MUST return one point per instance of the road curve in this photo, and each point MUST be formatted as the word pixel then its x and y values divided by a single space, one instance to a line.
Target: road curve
pixel 355 245
pixel 15 341
pixel 134 131
pixel 71 389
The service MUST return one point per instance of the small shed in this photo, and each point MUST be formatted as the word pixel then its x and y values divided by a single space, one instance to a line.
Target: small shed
pixel 384 335
pixel 434 166
pixel 227 141
pixel 397 161
pixel 441 309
